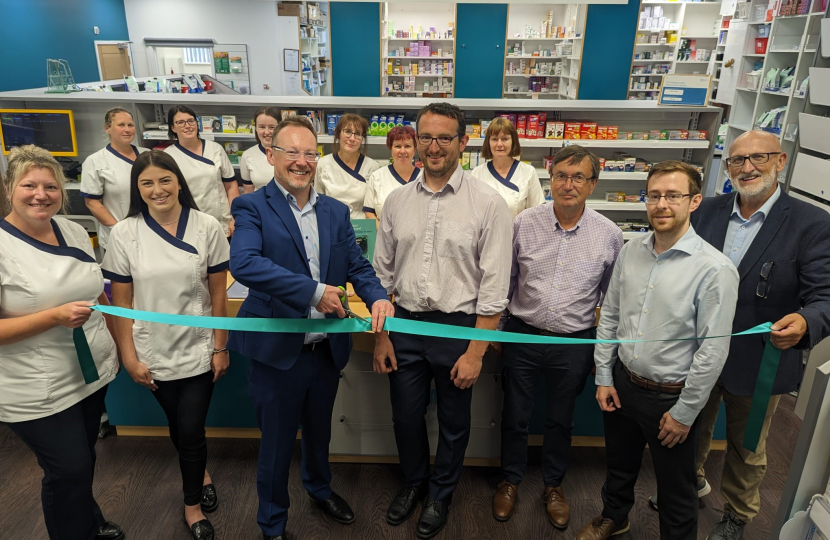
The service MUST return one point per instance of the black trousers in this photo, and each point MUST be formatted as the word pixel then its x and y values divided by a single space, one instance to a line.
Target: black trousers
pixel 565 369
pixel 64 444
pixel 186 402
pixel 420 360
pixel 627 431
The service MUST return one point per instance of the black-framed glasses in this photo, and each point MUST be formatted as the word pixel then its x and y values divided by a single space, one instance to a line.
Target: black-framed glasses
pixel 762 290
pixel 294 155
pixel 756 159
pixel 349 133
pixel 189 122
pixel 576 179
pixel 442 140
pixel 671 198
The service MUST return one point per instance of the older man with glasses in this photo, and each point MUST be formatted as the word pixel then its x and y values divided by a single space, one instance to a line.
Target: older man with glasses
pixel 781 247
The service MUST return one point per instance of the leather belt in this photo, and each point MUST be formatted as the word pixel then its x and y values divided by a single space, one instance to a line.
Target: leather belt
pixel 660 388
pixel 309 347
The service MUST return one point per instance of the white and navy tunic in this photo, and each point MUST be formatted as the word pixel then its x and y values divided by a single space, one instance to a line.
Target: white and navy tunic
pixel 335 179
pixel 254 167
pixel 106 176
pixel 521 188
pixel 169 275
pixel 206 176
pixel 41 375
pixel 380 184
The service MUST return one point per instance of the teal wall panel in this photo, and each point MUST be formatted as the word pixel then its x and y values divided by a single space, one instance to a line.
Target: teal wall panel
pixel 355 48
pixel 479 54
pixel 607 50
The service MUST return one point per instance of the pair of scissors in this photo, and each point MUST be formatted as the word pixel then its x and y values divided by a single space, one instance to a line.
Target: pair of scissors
pixel 345 301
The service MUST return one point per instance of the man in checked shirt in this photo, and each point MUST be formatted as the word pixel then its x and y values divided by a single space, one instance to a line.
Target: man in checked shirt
pixel 563 256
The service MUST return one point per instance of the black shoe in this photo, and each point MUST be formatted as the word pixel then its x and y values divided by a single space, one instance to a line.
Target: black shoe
pixel 433 518
pixel 110 531
pixel 336 507
pixel 201 530
pixel 404 504
pixel 210 500
pixel 282 536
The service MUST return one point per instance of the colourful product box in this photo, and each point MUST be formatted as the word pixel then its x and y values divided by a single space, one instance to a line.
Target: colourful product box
pixel 613 132
pixel 521 126
pixel 532 127
pixel 588 130
pixel 554 130
pixel 602 133
pixel 572 130
pixel 476 131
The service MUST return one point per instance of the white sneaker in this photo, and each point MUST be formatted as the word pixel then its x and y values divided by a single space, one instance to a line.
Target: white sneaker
pixel 703 489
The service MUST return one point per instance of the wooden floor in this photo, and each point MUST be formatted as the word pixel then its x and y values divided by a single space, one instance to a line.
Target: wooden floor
pixel 138 486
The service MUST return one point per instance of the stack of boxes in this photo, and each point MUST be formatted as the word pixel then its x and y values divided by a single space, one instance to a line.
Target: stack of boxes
pixel 652 18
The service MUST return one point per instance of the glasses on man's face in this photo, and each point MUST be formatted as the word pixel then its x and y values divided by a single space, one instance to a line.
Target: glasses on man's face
pixel 763 286
pixel 671 198
pixel 442 140
pixel 347 134
pixel 759 158
pixel 576 179
pixel 188 122
pixel 294 155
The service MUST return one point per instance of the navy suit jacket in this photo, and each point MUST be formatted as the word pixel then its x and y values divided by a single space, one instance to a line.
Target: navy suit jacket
pixel 795 236
pixel 268 256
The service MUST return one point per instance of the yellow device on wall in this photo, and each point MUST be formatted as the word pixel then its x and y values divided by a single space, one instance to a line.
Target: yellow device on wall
pixel 50 129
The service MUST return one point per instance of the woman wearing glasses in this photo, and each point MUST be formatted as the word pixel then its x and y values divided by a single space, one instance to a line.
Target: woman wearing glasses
pixel 343 173
pixel 401 141
pixel 517 182
pixel 205 166
pixel 254 167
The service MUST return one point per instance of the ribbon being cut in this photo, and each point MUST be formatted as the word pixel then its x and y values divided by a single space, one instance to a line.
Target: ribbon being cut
pixel 760 398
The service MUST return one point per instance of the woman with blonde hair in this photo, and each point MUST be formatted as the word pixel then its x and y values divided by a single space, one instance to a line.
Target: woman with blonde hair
pixel 254 168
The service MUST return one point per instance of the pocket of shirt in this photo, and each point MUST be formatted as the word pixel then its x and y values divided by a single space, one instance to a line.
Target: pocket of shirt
pixel 455 242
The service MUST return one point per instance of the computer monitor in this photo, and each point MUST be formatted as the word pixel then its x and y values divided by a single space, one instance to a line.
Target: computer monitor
pixel 52 130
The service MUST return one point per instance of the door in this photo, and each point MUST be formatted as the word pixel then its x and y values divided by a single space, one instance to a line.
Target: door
pixel 114 61
pixel 729 76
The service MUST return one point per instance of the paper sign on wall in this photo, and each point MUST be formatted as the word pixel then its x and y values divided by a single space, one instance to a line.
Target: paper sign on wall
pixel 685 90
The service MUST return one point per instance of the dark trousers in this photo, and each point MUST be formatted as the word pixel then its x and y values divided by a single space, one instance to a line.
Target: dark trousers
pixel 420 360
pixel 64 444
pixel 627 431
pixel 565 369
pixel 283 399
pixel 186 402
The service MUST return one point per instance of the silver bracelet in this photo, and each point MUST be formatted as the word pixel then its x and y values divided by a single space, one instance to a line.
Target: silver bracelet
pixel 217 351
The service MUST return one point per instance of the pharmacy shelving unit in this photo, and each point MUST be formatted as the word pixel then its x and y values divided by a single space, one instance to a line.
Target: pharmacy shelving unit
pixel 543 50
pixel 716 64
pixel 792 40
pixel 310 36
pixel 403 24
pixel 658 49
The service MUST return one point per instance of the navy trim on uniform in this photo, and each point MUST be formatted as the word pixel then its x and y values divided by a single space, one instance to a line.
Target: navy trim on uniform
pixel 261 148
pixel 61 249
pixel 118 278
pixel 353 172
pixel 504 181
pixel 197 157
pixel 367 209
pixel 398 177
pixel 247 183
pixel 229 180
pixel 91 196
pixel 114 152
pixel 219 267
pixel 175 241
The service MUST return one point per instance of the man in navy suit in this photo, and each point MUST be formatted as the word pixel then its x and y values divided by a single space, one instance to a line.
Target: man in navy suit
pixel 781 247
pixel 293 248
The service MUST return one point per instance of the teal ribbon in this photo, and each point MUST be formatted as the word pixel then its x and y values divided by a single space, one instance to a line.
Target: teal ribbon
pixel 760 399
pixel 88 369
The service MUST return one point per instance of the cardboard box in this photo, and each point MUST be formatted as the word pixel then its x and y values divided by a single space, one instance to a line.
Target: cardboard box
pixel 207 123
pixel 533 126
pixel 588 130
pixel 602 133
pixel 572 130
pixel 613 133
pixel 465 161
pixel 521 126
pixel 290 10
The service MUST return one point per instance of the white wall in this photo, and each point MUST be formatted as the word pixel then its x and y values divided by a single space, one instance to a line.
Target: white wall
pixel 252 22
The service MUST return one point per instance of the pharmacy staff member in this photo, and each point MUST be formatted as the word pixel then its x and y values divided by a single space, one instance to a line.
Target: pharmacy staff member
pixel 401 142
pixel 343 173
pixel 205 165
pixel 517 182
pixel 168 257
pixel 48 280
pixel 253 166
pixel 105 180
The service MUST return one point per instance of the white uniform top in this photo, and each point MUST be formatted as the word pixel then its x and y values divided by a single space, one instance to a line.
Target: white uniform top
pixel 205 176
pixel 383 182
pixel 254 167
pixel 41 375
pixel 169 275
pixel 335 179
pixel 106 176
pixel 521 189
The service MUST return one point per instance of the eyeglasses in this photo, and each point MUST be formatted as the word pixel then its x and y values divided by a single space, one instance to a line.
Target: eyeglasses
pixel 756 159
pixel 189 122
pixel 293 155
pixel 442 140
pixel 763 286
pixel 347 133
pixel 671 198
pixel 576 179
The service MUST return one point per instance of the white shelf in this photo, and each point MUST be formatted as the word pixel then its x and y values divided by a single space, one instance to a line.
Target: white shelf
pixel 537 94
pixel 237 136
pixel 418 58
pixel 624 143
pixel 419 75
pixel 740 127
pixel 654 45
pixel 418 93
pixel 633 90
pixel 738 88
pixel 531 57
pixel 692 62
pixel 759 23
pixel 528 76
pixel 652 60
pixel 699 37
pixel 649 74
pixel 412 39
pixel 754 55
pixel 155 136
pixel 616 206
pixel 509 39
pixel 616 175
pixel 633 235
pixel 780 94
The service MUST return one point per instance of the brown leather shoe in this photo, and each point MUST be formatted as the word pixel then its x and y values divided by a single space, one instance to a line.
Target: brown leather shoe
pixel 505 500
pixel 602 528
pixel 558 510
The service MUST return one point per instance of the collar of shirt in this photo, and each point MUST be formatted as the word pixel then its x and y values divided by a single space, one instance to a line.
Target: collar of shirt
pixel 292 200
pixel 556 223
pixel 454 181
pixel 764 210
pixel 687 243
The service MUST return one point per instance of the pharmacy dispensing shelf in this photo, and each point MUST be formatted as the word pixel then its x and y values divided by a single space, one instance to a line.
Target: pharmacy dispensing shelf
pixel 433 75
pixel 527 76
pixel 413 40
pixel 418 58
pixel 616 206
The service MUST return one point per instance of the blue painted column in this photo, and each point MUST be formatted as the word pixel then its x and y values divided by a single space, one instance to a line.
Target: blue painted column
pixel 355 48
pixel 479 54
pixel 607 50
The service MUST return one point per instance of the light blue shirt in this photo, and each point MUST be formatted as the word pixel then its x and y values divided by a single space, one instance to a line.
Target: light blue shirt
pixel 741 232
pixel 307 221
pixel 687 291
